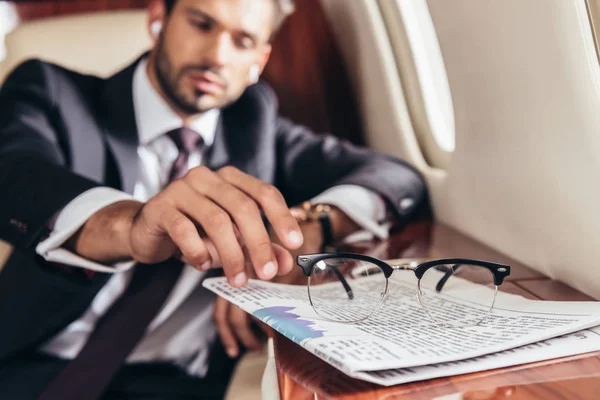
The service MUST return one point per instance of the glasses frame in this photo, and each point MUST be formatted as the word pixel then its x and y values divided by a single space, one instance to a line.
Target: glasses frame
pixel 308 261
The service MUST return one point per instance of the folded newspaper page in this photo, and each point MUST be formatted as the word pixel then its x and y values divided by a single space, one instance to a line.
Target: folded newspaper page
pixel 568 345
pixel 399 337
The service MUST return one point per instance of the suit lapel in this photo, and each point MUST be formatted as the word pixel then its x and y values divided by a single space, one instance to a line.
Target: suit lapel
pixel 218 155
pixel 120 126
pixel 245 139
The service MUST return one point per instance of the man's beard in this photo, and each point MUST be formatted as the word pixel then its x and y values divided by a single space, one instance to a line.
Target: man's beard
pixel 168 79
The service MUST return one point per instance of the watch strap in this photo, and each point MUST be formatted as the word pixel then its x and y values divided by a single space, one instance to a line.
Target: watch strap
pixel 320 212
pixel 327 230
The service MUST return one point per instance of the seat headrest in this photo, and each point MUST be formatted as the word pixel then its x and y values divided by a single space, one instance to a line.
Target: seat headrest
pixel 98 43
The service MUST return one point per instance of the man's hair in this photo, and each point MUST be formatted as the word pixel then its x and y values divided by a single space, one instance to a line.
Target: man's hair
pixel 283 8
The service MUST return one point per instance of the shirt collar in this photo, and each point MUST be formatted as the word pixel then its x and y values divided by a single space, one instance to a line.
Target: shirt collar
pixel 154 117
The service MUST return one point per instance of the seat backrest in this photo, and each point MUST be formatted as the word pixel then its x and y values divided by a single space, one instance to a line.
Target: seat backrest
pixel 524 78
pixel 98 43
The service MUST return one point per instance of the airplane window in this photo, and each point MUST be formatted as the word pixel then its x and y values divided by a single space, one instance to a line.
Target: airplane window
pixel 593 7
pixel 430 70
pixel 423 75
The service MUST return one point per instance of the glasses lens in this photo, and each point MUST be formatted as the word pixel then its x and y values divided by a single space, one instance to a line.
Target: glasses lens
pixel 457 295
pixel 346 290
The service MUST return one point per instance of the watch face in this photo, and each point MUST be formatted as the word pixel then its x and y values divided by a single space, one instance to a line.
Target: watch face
pixel 322 208
pixel 312 212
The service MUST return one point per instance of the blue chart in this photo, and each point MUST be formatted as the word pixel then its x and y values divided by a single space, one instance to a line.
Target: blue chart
pixel 287 323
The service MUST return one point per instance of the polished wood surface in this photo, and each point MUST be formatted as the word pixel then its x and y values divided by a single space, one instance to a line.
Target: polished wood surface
pixel 306 68
pixel 304 376
pixel 552 290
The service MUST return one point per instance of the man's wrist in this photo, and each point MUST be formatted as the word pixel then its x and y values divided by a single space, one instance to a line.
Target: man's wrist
pixel 340 224
pixel 105 236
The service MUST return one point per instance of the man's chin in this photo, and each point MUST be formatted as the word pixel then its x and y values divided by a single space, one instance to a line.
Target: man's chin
pixel 200 105
pixel 205 101
pixel 205 104
pixel 201 102
pixel 203 107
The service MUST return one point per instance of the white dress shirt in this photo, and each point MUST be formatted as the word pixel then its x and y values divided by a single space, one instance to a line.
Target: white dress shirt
pixel 183 329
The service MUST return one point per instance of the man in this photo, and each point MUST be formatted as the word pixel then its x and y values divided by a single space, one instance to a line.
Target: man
pixel 120 194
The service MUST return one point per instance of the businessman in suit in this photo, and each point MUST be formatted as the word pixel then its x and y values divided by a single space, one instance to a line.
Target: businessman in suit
pixel 121 195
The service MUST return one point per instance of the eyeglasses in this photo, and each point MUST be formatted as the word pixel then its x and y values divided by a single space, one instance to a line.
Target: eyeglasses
pixel 453 292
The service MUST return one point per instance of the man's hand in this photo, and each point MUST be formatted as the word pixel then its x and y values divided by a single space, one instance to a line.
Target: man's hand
pixel 207 218
pixel 235 327
pixel 234 324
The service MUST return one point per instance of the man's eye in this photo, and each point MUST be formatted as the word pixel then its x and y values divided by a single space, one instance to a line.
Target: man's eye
pixel 245 43
pixel 204 26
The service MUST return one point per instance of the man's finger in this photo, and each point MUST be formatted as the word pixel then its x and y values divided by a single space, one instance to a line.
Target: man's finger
pixel 227 336
pixel 272 203
pixel 184 235
pixel 219 228
pixel 245 213
pixel 285 261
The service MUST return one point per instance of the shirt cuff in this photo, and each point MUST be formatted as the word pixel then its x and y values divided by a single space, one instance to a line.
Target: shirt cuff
pixel 363 206
pixel 70 219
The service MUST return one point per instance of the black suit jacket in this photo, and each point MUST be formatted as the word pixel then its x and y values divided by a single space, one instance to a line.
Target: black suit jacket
pixel 62 133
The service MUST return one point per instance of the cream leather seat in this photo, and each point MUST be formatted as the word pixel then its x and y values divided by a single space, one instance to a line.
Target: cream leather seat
pixel 524 81
pixel 101 44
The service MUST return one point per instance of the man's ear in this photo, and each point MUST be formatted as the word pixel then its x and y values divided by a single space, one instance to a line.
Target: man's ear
pixel 156 16
pixel 253 74
pixel 257 68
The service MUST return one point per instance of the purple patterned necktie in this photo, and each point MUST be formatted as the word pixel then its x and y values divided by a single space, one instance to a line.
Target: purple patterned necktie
pixel 187 142
pixel 121 328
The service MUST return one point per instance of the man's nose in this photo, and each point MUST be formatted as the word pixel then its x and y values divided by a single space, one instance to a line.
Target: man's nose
pixel 221 51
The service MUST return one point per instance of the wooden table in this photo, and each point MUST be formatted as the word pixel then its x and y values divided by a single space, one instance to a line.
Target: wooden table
pixel 304 376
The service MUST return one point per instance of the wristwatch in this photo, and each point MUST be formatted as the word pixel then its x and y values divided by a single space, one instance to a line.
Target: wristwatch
pixel 320 212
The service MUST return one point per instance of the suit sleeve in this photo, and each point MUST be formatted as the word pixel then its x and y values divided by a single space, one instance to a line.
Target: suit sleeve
pixel 308 164
pixel 34 174
pixel 37 299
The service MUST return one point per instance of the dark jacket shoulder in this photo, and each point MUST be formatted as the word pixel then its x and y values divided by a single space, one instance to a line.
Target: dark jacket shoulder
pixel 39 71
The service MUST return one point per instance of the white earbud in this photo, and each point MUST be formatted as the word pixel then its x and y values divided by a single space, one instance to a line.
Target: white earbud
pixel 155 28
pixel 254 73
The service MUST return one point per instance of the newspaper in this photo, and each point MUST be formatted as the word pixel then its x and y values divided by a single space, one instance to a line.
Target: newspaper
pixel 568 345
pixel 388 347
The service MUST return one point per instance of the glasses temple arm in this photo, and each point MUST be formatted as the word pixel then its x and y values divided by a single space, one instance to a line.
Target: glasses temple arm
pixel 442 282
pixel 343 281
